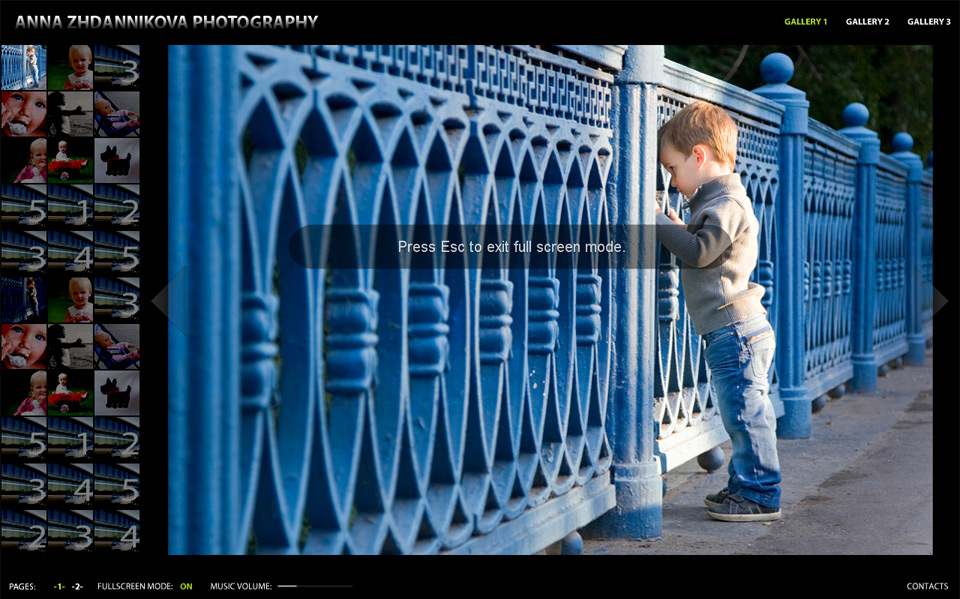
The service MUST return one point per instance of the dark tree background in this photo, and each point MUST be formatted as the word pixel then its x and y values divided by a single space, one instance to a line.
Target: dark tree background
pixel 894 82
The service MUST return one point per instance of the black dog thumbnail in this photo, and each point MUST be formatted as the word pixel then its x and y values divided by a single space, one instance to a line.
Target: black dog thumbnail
pixel 115 397
pixel 115 166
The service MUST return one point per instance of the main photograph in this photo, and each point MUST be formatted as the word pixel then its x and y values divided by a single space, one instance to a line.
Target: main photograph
pixel 469 299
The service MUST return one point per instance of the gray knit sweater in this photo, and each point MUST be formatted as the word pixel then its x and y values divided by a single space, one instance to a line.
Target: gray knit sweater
pixel 719 250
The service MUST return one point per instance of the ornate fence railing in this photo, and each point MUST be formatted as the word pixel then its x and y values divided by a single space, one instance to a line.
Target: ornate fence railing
pixel 829 182
pixel 889 330
pixel 392 402
pixel 926 253
pixel 370 400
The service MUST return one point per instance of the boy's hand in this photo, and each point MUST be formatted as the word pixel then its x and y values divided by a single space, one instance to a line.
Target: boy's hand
pixel 672 215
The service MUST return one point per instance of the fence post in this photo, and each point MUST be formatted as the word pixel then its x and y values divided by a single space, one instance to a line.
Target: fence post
pixel 916 341
pixel 855 116
pixel 636 470
pixel 776 69
pixel 203 266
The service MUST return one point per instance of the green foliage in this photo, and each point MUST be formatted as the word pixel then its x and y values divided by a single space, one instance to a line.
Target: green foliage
pixel 894 82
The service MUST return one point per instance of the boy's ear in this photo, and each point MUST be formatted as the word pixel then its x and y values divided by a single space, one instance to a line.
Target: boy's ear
pixel 700 151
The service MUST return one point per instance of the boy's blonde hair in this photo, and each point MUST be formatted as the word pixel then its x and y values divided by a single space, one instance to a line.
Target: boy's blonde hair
pixel 79 48
pixel 701 123
pixel 38 144
pixel 80 281
pixel 38 377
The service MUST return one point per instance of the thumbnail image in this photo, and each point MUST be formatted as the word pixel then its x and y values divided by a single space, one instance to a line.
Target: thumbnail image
pixel 23 485
pixel 24 300
pixel 23 530
pixel 116 114
pixel 117 438
pixel 23 206
pixel 23 439
pixel 117 300
pixel 24 393
pixel 117 486
pixel 118 393
pixel 23 253
pixel 70 530
pixel 23 346
pixel 24 160
pixel 116 206
pixel 70 114
pixel 118 160
pixel 69 486
pixel 70 67
pixel 117 530
pixel 117 253
pixel 24 66
pixel 71 298
pixel 70 439
pixel 116 346
pixel 69 251
pixel 72 160
pixel 70 207
pixel 70 346
pixel 118 67
pixel 71 393
pixel 23 114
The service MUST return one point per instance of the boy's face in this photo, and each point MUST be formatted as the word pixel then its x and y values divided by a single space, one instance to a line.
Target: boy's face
pixel 62 379
pixel 39 390
pixel 27 112
pixel 62 146
pixel 80 293
pixel 684 171
pixel 28 344
pixel 80 60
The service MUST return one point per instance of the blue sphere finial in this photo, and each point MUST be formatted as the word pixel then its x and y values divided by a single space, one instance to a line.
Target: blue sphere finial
pixel 902 142
pixel 776 68
pixel 855 115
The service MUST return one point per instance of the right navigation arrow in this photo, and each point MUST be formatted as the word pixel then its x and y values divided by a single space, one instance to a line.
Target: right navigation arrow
pixel 938 300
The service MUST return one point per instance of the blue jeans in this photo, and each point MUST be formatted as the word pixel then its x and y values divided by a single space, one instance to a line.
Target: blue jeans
pixel 739 356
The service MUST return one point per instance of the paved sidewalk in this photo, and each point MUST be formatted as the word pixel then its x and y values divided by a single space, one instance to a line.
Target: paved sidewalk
pixel 861 485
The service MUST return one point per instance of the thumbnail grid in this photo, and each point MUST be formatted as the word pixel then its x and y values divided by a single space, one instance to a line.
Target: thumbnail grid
pixel 70 393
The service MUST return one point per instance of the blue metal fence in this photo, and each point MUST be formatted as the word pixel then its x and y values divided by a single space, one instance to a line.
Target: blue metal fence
pixel 829 183
pixel 489 405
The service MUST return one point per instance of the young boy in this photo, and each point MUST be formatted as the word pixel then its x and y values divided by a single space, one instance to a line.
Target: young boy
pixel 32 63
pixel 81 58
pixel 82 309
pixel 718 248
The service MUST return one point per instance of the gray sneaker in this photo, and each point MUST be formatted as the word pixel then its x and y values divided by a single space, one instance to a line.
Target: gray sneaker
pixel 716 498
pixel 740 509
